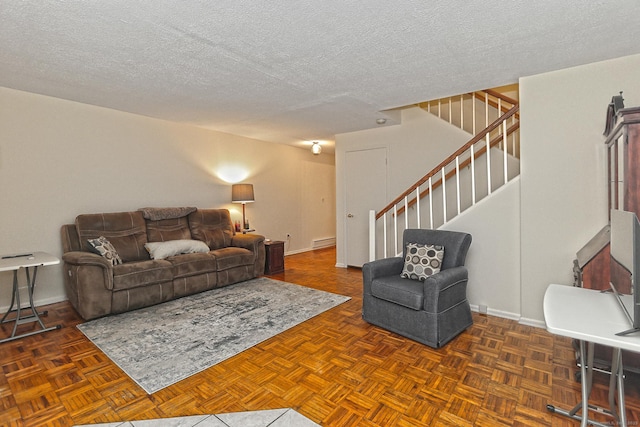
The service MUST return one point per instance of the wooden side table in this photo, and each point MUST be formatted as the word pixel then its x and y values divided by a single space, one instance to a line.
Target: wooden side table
pixel 274 262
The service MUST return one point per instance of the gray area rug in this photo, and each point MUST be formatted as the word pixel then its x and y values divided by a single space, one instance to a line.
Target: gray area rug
pixel 161 345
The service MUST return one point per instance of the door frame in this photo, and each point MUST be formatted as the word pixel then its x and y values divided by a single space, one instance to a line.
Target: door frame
pixel 341 217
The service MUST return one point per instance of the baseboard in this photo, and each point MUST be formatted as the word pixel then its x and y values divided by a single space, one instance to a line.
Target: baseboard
pixel 37 302
pixel 493 312
pixel 323 243
pixel 297 251
pixel 533 322
pixel 512 316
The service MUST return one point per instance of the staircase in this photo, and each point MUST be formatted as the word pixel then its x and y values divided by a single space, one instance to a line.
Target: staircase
pixel 489 160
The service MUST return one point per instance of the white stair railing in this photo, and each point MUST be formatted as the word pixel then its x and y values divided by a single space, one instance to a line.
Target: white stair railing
pixel 476 110
pixel 459 181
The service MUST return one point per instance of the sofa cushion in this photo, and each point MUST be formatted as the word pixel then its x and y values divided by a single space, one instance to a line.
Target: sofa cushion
pixel 422 261
pixel 126 231
pixel 231 257
pixel 168 229
pixel 141 273
pixel 162 250
pixel 212 226
pixel 192 264
pixel 405 292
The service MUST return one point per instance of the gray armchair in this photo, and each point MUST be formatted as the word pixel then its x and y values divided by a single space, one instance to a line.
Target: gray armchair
pixel 431 312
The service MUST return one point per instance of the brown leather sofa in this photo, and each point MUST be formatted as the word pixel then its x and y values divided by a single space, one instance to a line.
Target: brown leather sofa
pixel 96 287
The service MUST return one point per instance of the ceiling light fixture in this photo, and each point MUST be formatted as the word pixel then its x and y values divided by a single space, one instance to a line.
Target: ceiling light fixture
pixel 316 148
pixel 381 121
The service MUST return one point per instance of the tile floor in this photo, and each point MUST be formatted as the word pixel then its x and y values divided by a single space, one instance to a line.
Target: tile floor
pixel 270 418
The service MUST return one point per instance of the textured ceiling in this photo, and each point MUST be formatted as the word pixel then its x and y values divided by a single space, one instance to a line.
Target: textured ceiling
pixel 293 71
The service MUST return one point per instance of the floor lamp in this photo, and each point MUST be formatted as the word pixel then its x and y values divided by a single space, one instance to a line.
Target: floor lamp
pixel 242 193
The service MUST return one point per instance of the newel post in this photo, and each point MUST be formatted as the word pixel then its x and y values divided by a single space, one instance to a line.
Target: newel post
pixel 372 235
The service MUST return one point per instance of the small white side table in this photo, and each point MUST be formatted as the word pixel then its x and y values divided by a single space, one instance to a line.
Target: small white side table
pixel 591 317
pixel 27 261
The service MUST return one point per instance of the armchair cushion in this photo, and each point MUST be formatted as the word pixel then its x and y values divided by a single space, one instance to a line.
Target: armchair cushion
pixel 422 261
pixel 405 292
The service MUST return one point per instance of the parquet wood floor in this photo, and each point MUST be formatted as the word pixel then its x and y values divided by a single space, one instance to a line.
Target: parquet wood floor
pixel 335 369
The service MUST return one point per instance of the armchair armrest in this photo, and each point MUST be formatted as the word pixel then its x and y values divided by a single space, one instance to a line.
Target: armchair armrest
pixel 445 289
pixel 380 268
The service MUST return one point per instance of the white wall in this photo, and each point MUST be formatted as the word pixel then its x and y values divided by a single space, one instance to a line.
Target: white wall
pixel 59 159
pixel 493 260
pixel 563 169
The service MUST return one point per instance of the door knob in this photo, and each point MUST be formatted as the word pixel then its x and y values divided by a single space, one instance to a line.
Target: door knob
pixel 349 215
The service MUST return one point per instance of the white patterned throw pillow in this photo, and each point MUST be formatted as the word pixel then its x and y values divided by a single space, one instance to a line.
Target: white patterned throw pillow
pixel 102 246
pixel 422 261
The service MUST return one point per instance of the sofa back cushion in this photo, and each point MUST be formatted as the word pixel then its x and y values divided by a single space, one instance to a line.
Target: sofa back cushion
pixel 212 226
pixel 70 241
pixel 126 231
pixel 165 230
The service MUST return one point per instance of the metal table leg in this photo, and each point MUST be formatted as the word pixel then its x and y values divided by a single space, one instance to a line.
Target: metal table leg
pixel 617 377
pixel 586 377
pixel 19 317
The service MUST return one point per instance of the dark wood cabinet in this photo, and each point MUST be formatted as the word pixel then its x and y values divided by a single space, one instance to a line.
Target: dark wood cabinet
pixel 274 262
pixel 623 155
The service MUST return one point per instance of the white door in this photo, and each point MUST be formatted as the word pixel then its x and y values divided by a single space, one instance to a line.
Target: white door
pixel 366 184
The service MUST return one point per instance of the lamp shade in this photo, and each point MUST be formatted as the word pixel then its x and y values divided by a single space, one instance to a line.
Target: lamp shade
pixel 242 193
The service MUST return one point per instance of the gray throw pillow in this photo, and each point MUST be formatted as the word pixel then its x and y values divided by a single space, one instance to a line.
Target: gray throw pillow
pixel 103 247
pixel 422 261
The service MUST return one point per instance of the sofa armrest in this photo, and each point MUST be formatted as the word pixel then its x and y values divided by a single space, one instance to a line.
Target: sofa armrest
pixel 248 241
pixel 380 268
pixel 445 289
pixel 80 259
pixel 254 243
pixel 88 280
pixel 85 258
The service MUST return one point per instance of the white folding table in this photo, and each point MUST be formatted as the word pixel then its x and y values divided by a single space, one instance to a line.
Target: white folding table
pixel 591 317
pixel 16 313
